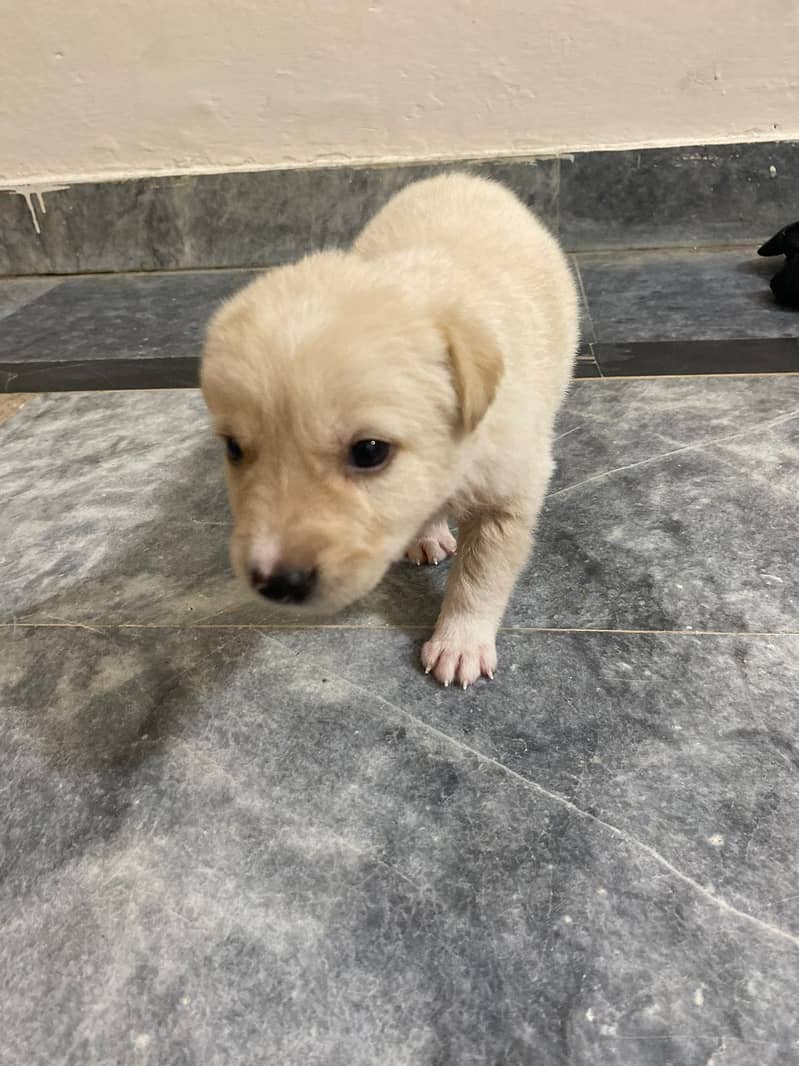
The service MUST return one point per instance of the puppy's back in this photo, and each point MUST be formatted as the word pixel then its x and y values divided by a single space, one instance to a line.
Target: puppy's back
pixel 488 232
pixel 453 210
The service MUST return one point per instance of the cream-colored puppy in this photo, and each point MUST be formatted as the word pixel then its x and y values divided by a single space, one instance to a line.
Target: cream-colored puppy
pixel 368 397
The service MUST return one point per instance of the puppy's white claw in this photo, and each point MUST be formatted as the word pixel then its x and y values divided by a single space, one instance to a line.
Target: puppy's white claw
pixel 433 546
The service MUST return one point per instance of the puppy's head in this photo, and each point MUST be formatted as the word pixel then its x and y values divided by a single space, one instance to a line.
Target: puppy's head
pixel 343 403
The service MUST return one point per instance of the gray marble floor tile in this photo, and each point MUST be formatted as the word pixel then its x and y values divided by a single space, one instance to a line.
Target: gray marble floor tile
pixel 626 297
pixel 240 847
pixel 684 411
pixel 661 196
pixel 683 295
pixel 16 293
pixel 665 513
pixel 225 220
pixel 117 317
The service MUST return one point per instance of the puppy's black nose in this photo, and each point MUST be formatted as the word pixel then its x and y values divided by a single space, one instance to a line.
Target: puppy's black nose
pixel 285 586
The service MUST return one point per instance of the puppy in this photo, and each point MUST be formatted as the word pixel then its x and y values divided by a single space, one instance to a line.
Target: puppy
pixel 367 398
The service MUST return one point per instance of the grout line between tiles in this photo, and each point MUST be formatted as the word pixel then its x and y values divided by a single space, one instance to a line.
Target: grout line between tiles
pixel 694 377
pixel 581 285
pixel 749 245
pixel 588 250
pixel 355 627
pixel 703 891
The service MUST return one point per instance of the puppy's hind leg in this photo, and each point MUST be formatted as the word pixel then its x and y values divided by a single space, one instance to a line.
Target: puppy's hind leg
pixel 434 543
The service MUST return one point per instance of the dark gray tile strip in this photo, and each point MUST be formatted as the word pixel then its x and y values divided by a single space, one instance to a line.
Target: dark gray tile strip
pixel 170 372
pixel 664 358
pixel 647 198
pixel 643 359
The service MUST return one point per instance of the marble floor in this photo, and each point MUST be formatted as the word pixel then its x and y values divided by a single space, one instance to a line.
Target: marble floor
pixel 667 311
pixel 229 841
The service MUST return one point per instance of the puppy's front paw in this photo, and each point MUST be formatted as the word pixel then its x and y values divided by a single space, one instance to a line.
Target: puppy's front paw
pixel 459 660
pixel 435 543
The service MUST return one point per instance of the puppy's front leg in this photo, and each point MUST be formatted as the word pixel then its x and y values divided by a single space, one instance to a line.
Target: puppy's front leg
pixel 492 548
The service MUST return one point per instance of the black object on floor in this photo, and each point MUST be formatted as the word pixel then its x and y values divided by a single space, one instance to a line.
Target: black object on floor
pixel 785 283
pixel 786 242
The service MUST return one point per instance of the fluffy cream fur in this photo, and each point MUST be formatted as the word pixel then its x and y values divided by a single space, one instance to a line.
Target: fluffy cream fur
pixel 449 331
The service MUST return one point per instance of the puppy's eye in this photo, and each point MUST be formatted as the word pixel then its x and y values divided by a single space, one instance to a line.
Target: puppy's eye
pixel 369 454
pixel 234 452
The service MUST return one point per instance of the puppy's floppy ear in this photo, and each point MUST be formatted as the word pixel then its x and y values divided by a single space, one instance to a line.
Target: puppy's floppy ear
pixel 476 364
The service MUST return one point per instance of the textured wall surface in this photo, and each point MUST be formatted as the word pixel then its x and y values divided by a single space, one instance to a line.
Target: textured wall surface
pixel 145 87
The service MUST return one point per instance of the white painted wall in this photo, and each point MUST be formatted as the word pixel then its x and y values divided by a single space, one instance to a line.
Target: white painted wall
pixel 118 87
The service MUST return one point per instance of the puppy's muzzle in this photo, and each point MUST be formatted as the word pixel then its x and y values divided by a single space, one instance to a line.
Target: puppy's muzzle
pixel 284 585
